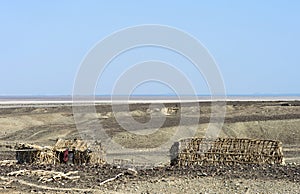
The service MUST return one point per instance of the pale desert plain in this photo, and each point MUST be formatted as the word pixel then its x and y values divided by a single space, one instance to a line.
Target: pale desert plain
pixel 44 122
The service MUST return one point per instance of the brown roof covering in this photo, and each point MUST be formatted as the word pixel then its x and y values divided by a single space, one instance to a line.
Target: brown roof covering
pixel 76 144
pixel 25 146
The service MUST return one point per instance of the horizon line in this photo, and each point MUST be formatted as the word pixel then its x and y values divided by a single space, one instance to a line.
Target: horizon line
pixel 149 95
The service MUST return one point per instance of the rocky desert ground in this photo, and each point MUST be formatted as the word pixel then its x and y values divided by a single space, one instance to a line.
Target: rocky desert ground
pixel 42 124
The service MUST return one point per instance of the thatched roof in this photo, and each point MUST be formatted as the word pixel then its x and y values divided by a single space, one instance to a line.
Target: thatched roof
pixel 26 146
pixel 76 144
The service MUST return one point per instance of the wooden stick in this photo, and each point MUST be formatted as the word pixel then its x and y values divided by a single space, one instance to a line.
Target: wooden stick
pixel 111 179
pixel 45 187
pixel 16 173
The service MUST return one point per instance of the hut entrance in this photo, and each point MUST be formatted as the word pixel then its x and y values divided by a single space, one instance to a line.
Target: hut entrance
pixel 72 151
pixel 65 156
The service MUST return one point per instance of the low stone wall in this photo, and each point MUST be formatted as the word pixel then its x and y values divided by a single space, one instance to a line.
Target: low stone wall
pixel 201 151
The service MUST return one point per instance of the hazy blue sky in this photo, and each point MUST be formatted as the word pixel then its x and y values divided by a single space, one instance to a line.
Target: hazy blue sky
pixel 255 43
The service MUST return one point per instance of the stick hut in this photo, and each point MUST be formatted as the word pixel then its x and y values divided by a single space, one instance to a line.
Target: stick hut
pixel 201 151
pixel 29 153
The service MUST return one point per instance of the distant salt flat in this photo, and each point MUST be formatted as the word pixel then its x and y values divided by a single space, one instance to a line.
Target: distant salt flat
pixel 41 103
pixel 263 98
pixel 48 102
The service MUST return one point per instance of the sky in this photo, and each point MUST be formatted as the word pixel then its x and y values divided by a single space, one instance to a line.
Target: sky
pixel 254 43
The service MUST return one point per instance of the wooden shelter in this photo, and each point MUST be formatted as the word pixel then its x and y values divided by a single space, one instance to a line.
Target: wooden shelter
pixel 29 153
pixel 201 151
pixel 64 151
pixel 72 151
